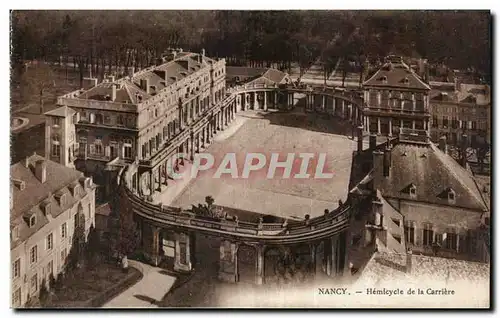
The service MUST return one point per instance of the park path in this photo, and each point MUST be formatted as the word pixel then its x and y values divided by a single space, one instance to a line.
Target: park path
pixel 148 292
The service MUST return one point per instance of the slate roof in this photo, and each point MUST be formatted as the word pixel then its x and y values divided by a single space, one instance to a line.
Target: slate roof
pixel 125 93
pixel 395 74
pixel 103 209
pixel 184 65
pixel 275 75
pixel 385 267
pixel 432 172
pixel 63 111
pixel 58 177
pixel 428 168
pixel 244 71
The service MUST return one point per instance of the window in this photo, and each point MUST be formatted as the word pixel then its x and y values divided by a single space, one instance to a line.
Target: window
pixel 16 298
pixel 34 283
pixel 16 268
pixel 413 191
pixel 98 119
pixel 56 121
pixel 410 232
pixel 64 230
pixel 127 149
pixel 428 236
pixel 120 120
pixel 32 220
pixel 50 241
pixel 445 122
pixel 33 254
pixel 56 150
pixel 451 241
pixel 451 195
pixel 435 121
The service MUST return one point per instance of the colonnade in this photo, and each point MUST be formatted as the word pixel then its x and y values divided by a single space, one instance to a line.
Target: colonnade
pixel 327 257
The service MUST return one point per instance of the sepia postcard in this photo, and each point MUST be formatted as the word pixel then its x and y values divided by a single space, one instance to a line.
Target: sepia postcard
pixel 250 159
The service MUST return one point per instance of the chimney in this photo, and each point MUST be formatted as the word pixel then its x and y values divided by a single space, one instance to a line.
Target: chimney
pixel 409 255
pixel 113 92
pixel 199 58
pixel 165 77
pixel 378 167
pixel 360 138
pixel 387 162
pixel 145 85
pixel 203 52
pixel 442 144
pixel 463 151
pixel 373 142
pixel 41 171
pixel 131 71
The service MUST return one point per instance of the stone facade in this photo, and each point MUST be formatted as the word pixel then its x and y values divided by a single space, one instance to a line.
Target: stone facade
pixel 48 202
pixel 395 97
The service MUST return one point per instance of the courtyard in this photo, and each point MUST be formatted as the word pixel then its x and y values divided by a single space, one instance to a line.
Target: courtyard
pixel 281 133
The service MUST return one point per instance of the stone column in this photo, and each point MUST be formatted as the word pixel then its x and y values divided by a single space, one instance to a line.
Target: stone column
pixel 182 260
pixel 323 103
pixel 343 109
pixel 275 99
pixel 259 265
pixel 159 178
pixel 313 258
pixel 390 127
pixel 334 255
pixel 378 125
pixel 327 243
pixel 265 100
pixel 245 101
pixel 155 246
pixel 191 153
pixel 151 182
pixel 413 124
pixel 228 265
pixel 165 172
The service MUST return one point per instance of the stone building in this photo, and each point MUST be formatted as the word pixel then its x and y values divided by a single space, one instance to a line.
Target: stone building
pixel 48 202
pixel 395 97
pixel 418 197
pixel 460 109
pixel 143 116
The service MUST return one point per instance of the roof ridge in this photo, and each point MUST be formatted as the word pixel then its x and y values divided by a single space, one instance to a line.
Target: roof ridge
pixel 440 156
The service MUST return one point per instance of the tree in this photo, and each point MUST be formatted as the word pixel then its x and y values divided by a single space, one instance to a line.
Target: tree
pixel 126 239
pixel 36 81
pixel 76 253
pixel 93 246
pixel 44 293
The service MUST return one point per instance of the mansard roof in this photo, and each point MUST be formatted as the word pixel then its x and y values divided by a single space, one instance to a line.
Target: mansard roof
pixel 396 74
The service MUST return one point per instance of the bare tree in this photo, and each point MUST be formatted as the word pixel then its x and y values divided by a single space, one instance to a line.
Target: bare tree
pixel 36 82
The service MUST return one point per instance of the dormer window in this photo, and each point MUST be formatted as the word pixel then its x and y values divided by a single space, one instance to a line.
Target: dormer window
pixel 413 191
pixel 406 80
pixel 15 233
pixel 45 207
pixel 61 199
pixel 451 196
pixel 32 221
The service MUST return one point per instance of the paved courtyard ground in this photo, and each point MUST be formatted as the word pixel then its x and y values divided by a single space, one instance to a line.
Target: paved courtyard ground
pixel 282 133
pixel 148 292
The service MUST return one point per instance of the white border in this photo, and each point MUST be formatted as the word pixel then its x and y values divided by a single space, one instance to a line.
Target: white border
pixel 217 4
